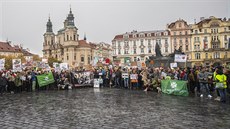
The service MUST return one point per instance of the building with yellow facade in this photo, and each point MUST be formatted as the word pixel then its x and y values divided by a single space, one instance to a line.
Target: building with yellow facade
pixel 210 42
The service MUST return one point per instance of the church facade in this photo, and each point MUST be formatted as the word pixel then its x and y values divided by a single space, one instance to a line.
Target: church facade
pixel 65 45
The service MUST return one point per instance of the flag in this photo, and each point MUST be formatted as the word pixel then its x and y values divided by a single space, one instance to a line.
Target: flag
pixel 45 79
pixel 174 87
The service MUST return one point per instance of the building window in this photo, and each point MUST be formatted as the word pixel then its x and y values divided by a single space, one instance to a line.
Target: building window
pixel 186 47
pixel 149 42
pixel 225 38
pixel 82 59
pixel 206 55
pixel 179 25
pixel 119 51
pixel 134 51
pixel 149 50
pixel 180 33
pixel 174 33
pixel 119 44
pixel 215 45
pixel 226 54
pixel 142 58
pixel 196 32
pixel 134 43
pixel 142 42
pixel 88 59
pixel 67 49
pixel 135 58
pixel 142 50
pixel 126 51
pixel 197 55
pixel 67 57
pixel 74 37
pixel 174 40
pixel 226 45
pixel 67 37
pixel 166 49
pixel 75 57
pixel 186 32
pixel 205 30
pixel 216 55
pixel 180 41
pixel 186 40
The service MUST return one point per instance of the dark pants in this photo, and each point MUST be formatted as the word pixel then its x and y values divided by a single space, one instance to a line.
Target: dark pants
pixel 106 82
pixel 222 93
pixel 2 89
pixel 192 86
pixel 11 86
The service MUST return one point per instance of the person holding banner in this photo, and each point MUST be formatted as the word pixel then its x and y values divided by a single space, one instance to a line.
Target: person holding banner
pixel 134 79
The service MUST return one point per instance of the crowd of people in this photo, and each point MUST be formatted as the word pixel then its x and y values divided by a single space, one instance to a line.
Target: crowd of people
pixel 202 81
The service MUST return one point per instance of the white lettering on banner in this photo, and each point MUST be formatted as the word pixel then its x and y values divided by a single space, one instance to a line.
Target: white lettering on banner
pixel 125 75
pixel 173 65
pixel 180 58
pixel 133 76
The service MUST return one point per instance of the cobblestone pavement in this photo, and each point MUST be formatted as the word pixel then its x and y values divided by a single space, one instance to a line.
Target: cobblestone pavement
pixel 110 108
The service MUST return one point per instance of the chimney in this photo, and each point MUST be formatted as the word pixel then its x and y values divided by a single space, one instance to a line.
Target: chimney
pixel 201 18
pixel 194 21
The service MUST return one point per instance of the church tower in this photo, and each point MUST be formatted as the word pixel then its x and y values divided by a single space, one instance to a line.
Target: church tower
pixel 49 40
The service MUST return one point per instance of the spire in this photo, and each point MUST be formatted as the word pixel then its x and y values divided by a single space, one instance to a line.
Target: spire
pixel 85 37
pixel 70 11
pixel 49 25
pixel 70 18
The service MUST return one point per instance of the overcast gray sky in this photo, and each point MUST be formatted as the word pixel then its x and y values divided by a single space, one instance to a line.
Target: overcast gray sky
pixel 24 21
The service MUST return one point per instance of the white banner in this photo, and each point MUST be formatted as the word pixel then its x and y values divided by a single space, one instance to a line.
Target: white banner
pixel 17 65
pixel 173 65
pixel 45 60
pixel 180 58
pixel 64 66
pixel 2 64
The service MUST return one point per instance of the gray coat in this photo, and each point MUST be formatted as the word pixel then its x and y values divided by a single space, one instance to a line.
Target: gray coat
pixel 3 81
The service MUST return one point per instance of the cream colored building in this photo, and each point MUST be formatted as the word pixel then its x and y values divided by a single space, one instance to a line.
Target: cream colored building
pixel 211 42
pixel 66 46
pixel 138 46
pixel 180 36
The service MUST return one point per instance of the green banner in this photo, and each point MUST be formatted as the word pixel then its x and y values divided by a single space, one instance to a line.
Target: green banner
pixel 174 87
pixel 45 79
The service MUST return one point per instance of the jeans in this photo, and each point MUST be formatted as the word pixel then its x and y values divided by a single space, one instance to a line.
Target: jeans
pixel 126 82
pixel 222 94
pixel 204 86
pixel 117 82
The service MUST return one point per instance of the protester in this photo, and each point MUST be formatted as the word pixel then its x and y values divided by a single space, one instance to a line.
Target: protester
pixel 221 84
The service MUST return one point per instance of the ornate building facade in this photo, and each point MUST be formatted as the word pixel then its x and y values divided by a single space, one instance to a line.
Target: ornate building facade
pixel 65 45
pixel 180 36
pixel 138 46
pixel 211 42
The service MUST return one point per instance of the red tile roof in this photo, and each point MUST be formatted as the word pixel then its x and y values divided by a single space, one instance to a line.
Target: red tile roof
pixel 83 43
pixel 6 47
pixel 118 37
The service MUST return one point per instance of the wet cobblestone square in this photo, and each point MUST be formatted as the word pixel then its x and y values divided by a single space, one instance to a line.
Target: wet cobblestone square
pixel 110 108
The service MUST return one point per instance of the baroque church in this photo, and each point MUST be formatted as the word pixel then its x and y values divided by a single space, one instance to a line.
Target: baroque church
pixel 65 45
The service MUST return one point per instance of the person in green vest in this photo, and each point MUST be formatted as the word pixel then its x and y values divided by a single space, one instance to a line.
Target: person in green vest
pixel 221 78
